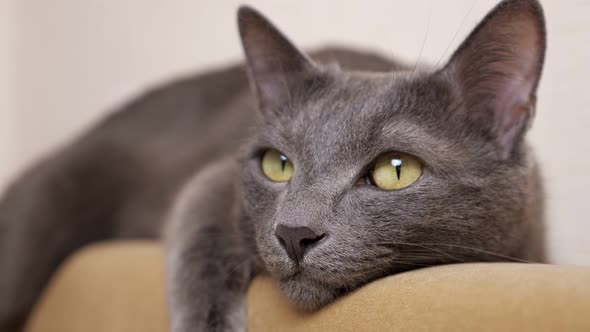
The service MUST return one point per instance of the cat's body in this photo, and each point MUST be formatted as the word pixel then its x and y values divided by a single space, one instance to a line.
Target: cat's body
pixel 121 176
pixel 479 198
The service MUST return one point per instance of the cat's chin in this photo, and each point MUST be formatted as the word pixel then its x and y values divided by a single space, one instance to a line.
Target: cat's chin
pixel 308 295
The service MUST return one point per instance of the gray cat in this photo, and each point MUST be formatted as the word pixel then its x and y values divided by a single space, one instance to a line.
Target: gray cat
pixel 331 173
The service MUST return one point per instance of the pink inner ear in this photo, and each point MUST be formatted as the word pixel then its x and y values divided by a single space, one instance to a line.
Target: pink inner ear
pixel 511 95
pixel 514 123
pixel 273 87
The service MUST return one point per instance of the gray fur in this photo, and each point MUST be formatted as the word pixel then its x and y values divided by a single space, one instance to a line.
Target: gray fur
pixel 184 161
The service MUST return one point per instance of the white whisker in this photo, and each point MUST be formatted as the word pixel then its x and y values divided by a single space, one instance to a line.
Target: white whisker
pixel 424 40
pixel 455 35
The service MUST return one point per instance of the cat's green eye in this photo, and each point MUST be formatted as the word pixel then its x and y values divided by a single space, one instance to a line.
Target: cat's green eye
pixel 276 166
pixel 394 171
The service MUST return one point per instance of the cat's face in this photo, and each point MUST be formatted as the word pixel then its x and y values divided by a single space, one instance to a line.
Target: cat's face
pixel 469 204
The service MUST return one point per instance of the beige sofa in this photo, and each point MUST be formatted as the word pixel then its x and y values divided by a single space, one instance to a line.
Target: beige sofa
pixel 119 287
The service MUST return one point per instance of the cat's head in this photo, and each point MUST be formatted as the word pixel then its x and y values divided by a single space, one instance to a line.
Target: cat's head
pixel 356 175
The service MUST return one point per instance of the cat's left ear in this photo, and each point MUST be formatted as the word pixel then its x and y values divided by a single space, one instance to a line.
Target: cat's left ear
pixel 497 70
pixel 277 68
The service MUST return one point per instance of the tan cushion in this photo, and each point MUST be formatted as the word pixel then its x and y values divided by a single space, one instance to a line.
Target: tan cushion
pixel 119 287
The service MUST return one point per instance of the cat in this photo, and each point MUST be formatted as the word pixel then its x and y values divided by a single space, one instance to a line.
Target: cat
pixel 325 171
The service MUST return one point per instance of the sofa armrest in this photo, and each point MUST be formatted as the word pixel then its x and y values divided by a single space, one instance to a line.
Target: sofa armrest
pixel 119 287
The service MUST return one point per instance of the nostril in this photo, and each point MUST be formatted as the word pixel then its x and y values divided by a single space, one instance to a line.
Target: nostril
pixel 309 242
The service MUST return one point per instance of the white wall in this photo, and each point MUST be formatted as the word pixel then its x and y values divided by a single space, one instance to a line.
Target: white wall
pixel 8 42
pixel 74 59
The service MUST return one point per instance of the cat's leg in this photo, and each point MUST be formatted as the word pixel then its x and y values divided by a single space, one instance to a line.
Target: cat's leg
pixel 55 208
pixel 210 262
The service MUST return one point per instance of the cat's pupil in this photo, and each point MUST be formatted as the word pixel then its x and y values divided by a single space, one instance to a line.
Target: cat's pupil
pixel 397 163
pixel 283 162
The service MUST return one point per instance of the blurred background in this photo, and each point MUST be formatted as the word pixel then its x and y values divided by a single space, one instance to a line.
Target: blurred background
pixel 66 63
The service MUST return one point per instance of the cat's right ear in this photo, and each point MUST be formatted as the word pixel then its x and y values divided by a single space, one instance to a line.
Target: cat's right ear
pixel 276 67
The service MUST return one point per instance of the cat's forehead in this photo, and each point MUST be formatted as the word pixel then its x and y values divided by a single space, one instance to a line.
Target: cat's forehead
pixel 358 115
pixel 347 97
pixel 358 106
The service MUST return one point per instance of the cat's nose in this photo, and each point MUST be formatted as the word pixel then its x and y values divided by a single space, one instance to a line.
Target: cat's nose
pixel 297 240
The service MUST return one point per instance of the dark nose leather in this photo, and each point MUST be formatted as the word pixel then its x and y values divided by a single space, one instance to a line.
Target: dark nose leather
pixel 296 240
